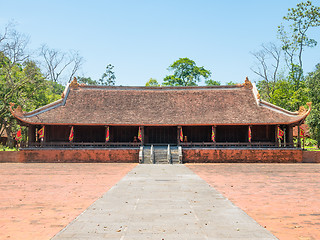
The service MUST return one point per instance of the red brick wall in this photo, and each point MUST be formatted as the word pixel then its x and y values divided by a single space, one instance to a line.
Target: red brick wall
pixel 8 156
pixel 80 155
pixel 241 155
pixel 311 156
pixel 189 155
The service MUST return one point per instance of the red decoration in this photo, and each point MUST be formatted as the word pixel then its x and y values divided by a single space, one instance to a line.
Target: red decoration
pixel 19 135
pixel 41 133
pixel 107 135
pixel 213 136
pixel 139 134
pixel 71 135
pixel 301 133
pixel 280 133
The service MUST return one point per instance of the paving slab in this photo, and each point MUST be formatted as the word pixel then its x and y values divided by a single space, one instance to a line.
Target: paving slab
pixel 163 202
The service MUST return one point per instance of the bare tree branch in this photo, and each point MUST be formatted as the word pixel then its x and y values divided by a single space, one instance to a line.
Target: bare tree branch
pixel 59 66
pixel 267 65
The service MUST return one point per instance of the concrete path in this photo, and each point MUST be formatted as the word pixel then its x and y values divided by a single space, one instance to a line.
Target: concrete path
pixel 163 202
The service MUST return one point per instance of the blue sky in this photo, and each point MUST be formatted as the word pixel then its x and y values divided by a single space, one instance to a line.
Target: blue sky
pixel 142 38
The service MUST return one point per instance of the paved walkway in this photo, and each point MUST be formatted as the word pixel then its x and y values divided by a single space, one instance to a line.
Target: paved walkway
pixel 163 202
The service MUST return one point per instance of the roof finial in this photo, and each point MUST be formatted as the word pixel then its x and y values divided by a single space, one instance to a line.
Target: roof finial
pixel 74 83
pixel 247 83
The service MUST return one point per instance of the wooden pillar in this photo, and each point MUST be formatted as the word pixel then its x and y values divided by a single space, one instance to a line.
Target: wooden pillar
pixel 290 135
pixel 178 135
pixel 299 139
pixel 46 130
pixel 285 136
pixel 31 134
pixel 142 135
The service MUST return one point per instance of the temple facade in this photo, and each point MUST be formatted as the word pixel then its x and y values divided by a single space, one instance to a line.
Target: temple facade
pixel 213 117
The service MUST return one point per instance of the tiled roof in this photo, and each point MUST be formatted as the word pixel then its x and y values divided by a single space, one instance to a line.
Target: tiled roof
pixel 219 105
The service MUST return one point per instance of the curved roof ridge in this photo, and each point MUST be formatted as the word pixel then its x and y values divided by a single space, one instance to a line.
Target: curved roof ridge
pixel 262 102
pixel 156 88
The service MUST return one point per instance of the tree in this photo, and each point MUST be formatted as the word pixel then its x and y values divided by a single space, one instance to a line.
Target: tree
pixel 313 120
pixel 108 78
pixel 21 80
pixel 267 69
pixel 87 81
pixel 59 66
pixel 294 37
pixel 152 83
pixel 231 83
pixel 211 82
pixel 185 73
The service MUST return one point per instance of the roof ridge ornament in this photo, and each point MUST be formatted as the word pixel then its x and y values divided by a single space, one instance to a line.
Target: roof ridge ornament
pixel 17 111
pixel 74 83
pixel 247 84
pixel 302 110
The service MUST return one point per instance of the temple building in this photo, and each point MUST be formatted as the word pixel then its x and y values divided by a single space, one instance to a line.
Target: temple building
pixel 202 117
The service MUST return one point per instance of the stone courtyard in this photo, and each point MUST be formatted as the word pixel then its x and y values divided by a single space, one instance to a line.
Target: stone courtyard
pixel 38 200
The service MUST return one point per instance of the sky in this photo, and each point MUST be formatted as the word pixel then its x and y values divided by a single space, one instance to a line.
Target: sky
pixel 142 38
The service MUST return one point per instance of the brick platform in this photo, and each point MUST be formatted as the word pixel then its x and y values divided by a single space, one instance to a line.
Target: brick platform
pixel 80 155
pixel 189 155
pixel 242 155
pixel 9 156
pixel 311 156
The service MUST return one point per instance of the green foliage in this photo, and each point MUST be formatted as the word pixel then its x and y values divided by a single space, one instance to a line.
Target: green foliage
pixel 231 83
pixel 108 78
pixel 284 94
pixel 185 73
pixel 309 142
pixel 152 83
pixel 211 82
pixel 23 84
pixel 87 81
pixel 294 37
pixel 313 120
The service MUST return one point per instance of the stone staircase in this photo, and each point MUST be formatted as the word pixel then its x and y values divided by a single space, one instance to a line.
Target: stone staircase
pixel 160 155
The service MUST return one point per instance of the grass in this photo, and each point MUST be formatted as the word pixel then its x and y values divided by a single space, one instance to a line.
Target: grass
pixel 4 148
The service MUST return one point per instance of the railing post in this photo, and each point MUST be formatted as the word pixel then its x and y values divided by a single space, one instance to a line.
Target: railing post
pixel 141 155
pixel 152 158
pixel 180 154
pixel 169 158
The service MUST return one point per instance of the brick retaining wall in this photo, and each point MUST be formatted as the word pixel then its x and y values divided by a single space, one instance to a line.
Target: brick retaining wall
pixel 80 155
pixel 189 155
pixel 311 156
pixel 8 156
pixel 242 156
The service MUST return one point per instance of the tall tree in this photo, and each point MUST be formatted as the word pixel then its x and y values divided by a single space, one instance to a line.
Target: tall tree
pixel 294 37
pixel 21 81
pixel 108 78
pixel 185 73
pixel 313 82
